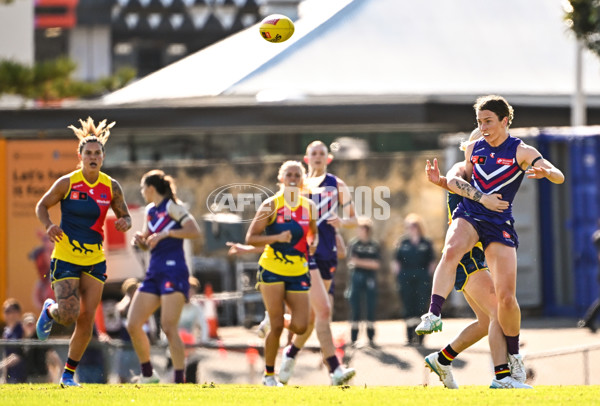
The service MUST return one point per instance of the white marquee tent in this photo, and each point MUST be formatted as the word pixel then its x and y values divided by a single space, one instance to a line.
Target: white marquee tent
pixel 377 48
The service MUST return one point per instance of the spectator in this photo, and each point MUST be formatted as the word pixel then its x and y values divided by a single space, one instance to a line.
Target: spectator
pixel 414 266
pixel 592 311
pixel 13 364
pixel 42 363
pixel 193 328
pixel 127 361
pixel 364 262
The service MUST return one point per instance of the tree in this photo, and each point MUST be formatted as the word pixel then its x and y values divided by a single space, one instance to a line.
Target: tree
pixel 51 80
pixel 583 17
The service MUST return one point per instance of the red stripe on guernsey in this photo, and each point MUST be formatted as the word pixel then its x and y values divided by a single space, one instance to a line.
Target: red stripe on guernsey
pixel 447 355
pixel 102 196
pixel 301 215
pixel 495 181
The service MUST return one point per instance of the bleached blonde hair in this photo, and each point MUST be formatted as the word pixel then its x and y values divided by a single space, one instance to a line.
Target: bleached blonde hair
pixel 89 132
pixel 475 135
pixel 288 164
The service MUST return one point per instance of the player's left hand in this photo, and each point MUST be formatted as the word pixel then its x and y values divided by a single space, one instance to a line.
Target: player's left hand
pixel 122 224
pixel 536 172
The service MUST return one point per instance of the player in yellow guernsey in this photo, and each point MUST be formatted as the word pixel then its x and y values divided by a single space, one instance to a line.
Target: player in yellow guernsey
pixel 285 225
pixel 78 266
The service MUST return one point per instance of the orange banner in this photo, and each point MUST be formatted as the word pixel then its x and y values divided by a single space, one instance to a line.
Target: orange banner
pixel 32 166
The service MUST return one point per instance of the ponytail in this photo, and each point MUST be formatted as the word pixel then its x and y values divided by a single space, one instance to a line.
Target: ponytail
pixel 164 184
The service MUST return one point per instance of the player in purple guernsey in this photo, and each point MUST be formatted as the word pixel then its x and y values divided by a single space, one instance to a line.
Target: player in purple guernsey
pixel 495 167
pixel 330 194
pixel 166 284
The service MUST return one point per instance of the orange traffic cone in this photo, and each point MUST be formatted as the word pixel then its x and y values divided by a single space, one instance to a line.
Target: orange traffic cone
pixel 339 342
pixel 210 311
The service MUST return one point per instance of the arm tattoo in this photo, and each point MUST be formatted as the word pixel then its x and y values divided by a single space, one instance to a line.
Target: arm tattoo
pixel 118 202
pixel 469 191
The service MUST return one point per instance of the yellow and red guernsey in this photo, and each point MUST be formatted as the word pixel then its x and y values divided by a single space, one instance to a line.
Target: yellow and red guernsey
pixel 83 210
pixel 288 259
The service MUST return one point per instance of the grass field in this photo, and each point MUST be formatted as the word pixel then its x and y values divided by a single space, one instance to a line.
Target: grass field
pixel 209 394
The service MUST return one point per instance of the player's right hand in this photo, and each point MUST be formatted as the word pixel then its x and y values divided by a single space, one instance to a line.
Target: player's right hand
pixel 139 240
pixel 284 236
pixel 494 202
pixel 433 172
pixel 55 233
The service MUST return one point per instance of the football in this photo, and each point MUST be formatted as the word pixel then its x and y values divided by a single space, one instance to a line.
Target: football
pixel 276 28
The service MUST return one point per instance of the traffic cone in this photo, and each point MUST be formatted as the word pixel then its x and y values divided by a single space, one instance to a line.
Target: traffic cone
pixel 340 343
pixel 210 311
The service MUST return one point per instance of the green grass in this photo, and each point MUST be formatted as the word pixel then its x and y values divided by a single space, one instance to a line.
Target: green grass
pixel 209 394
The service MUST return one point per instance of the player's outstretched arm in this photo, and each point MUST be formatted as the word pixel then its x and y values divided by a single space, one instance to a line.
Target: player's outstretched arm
pixel 540 167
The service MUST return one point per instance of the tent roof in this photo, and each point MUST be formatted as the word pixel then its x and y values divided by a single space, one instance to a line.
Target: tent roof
pixel 398 48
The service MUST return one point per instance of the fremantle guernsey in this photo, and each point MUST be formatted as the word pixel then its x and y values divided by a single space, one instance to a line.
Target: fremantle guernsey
pixel 325 197
pixel 495 170
pixel 290 258
pixel 167 255
pixel 83 210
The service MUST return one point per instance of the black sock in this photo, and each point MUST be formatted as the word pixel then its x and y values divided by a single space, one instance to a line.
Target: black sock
pixel 354 334
pixel 146 368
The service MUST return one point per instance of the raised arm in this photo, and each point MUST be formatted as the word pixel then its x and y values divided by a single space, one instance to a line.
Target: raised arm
pixel 540 167
pixel 433 173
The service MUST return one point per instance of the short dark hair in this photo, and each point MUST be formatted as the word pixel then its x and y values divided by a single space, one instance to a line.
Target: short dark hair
pixel 11 304
pixel 497 105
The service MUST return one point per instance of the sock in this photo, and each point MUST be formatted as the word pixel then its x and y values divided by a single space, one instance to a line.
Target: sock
pixel 333 363
pixel 437 302
pixel 371 333
pixel 48 313
pixel 179 376
pixel 70 367
pixel 501 371
pixel 293 351
pixel 269 370
pixel 354 334
pixel 146 368
pixel 447 355
pixel 512 344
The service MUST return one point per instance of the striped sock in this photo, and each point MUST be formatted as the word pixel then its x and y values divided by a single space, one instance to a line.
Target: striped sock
pixel 70 367
pixel 501 371
pixel 447 355
pixel 269 370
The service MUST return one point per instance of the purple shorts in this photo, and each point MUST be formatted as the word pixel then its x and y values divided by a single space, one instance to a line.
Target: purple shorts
pixel 326 268
pixel 165 283
pixel 489 232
